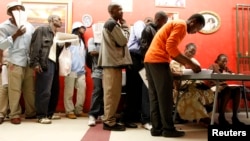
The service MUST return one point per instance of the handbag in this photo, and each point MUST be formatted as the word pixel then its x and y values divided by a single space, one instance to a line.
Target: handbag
pixel 65 62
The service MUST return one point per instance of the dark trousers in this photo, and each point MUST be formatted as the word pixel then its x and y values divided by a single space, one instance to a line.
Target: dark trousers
pixel 133 88
pixel 145 106
pixel 47 91
pixel 96 108
pixel 160 81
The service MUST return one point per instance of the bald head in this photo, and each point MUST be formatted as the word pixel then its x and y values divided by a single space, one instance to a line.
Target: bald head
pixel 160 19
pixel 161 15
pixel 51 17
pixel 115 11
pixel 113 6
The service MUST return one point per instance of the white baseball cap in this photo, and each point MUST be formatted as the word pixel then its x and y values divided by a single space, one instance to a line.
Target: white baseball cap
pixel 13 4
pixel 77 25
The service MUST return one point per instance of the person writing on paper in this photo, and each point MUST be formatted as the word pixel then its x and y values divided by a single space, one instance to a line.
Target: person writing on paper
pixel 225 92
pixel 44 60
pixel 15 35
pixel 163 47
pixel 76 79
pixel 195 97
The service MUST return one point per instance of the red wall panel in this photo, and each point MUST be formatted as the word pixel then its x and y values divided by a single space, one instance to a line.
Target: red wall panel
pixel 209 46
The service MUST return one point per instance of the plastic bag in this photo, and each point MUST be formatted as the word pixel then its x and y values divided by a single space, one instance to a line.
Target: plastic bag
pixel 65 62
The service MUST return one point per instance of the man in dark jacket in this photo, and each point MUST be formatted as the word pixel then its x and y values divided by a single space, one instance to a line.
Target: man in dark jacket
pixel 44 59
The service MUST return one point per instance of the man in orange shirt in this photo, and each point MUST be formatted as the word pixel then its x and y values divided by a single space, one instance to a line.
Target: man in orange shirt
pixel 164 46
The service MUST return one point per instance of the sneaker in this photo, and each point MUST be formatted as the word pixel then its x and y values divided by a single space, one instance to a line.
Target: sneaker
pixel 172 133
pixel 147 126
pixel 54 117
pixel 100 118
pixel 92 121
pixel 116 127
pixel 44 121
pixel 30 117
pixel 71 116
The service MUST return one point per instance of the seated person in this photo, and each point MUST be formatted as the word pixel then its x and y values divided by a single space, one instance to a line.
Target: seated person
pixel 225 92
pixel 195 96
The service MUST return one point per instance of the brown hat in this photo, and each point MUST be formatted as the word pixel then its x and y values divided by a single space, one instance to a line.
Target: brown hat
pixel 13 4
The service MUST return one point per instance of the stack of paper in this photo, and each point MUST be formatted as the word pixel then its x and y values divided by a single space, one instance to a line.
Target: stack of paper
pixel 190 71
pixel 20 17
pixel 66 37
pixel 142 73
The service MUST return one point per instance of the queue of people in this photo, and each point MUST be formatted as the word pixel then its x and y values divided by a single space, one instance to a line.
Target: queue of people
pixel 33 71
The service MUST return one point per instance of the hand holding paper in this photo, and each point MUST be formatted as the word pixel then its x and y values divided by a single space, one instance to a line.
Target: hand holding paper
pixel 20 18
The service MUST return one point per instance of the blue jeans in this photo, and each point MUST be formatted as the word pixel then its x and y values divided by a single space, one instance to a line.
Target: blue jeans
pixel 47 91
pixel 96 108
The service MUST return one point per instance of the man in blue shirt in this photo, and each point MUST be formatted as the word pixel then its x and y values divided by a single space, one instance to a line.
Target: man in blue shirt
pixel 21 77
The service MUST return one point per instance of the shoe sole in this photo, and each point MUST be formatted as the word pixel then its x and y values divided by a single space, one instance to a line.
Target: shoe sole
pixel 72 117
pixel 177 134
pixel 105 127
pixel 45 122
pixel 91 125
pixel 114 129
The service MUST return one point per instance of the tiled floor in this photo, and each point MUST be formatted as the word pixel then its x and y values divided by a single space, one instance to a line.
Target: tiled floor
pixel 75 129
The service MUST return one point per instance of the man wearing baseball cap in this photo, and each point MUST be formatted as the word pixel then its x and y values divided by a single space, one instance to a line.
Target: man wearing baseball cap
pixel 44 55
pixel 12 5
pixel 16 36
pixel 77 77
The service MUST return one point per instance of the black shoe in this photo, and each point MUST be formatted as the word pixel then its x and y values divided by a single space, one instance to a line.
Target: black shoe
pixel 130 125
pixel 1 120
pixel 33 117
pixel 116 127
pixel 155 132
pixel 172 133
pixel 236 121
pixel 223 121
pixel 205 121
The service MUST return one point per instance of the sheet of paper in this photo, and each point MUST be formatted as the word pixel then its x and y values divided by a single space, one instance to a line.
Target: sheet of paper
pixel 190 71
pixel 66 37
pixel 4 76
pixel 97 31
pixel 142 73
pixel 20 17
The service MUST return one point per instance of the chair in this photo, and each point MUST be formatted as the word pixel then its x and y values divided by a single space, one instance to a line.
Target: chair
pixel 245 90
